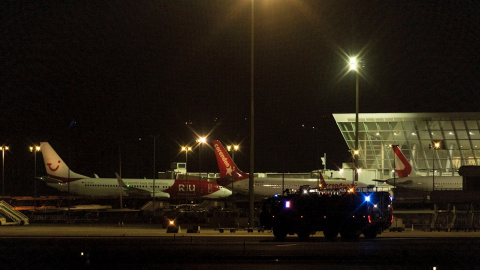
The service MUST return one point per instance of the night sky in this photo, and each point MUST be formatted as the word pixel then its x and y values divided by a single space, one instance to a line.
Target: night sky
pixel 96 78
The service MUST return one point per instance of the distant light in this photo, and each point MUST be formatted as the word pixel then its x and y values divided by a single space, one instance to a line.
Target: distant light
pixel 367 198
pixel 353 63
pixel 413 133
pixel 171 222
pixel 378 134
pixel 356 152
pixel 287 204
pixel 359 170
pixel 234 147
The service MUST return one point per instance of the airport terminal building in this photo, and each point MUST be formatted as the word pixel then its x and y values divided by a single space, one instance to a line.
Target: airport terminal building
pixel 456 134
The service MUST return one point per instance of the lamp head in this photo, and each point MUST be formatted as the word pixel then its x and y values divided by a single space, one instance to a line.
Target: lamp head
pixel 353 63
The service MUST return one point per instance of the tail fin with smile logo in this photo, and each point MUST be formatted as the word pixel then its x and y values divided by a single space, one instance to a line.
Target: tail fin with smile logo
pixel 54 165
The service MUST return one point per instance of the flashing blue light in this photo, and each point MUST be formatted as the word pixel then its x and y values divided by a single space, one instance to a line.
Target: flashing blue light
pixel 367 198
pixel 276 195
pixel 287 204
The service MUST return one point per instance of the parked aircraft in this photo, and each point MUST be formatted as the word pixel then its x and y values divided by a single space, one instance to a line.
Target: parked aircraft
pixel 407 178
pixel 232 177
pixel 59 176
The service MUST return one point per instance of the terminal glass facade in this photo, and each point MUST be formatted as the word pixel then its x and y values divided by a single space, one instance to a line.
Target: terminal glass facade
pixel 458 135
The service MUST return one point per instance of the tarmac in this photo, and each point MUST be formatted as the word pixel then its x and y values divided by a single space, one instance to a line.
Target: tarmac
pixel 107 246
pixel 149 230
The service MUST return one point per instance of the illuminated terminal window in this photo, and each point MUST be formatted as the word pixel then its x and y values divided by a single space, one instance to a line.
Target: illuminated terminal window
pixel 457 133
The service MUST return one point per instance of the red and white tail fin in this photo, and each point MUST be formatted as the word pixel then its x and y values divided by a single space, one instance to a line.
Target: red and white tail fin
pixel 55 167
pixel 402 166
pixel 226 166
pixel 323 184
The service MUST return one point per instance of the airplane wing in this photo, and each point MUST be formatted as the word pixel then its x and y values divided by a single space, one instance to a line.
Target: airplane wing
pixel 133 191
pixel 380 180
pixel 47 179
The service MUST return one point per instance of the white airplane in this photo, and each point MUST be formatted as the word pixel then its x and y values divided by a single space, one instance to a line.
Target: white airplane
pixel 59 175
pixel 230 175
pixel 407 178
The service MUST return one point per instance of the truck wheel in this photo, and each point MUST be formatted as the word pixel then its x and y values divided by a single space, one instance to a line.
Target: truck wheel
pixel 279 232
pixel 330 235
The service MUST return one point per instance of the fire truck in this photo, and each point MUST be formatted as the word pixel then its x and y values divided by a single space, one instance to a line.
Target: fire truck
pixel 334 212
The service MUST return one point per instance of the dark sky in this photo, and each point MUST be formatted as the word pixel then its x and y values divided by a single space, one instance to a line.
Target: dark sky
pixel 124 70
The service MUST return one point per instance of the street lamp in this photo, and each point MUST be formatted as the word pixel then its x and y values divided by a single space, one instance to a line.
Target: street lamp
pixel 3 148
pixel 251 178
pixel 394 146
pixel 186 149
pixel 200 140
pixel 436 145
pixel 353 65
pixel 233 149
pixel 154 176
pixel 34 150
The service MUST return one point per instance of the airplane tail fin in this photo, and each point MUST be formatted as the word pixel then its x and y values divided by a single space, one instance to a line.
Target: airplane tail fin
pixel 323 184
pixel 54 165
pixel 226 166
pixel 402 166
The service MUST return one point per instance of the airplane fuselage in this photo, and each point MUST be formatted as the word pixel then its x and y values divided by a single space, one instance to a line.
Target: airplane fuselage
pixel 164 188
pixel 266 187
pixel 426 183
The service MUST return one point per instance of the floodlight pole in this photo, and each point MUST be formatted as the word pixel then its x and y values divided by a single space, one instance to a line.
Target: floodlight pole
pixel 356 128
pixel 251 178
pixel 154 176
